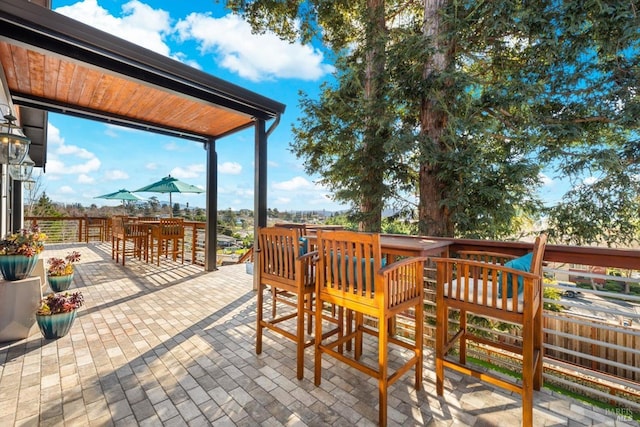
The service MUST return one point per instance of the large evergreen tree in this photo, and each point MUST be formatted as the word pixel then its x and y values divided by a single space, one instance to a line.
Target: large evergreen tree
pixel 473 101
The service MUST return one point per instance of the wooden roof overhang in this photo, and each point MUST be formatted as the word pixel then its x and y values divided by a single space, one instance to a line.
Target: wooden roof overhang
pixel 58 64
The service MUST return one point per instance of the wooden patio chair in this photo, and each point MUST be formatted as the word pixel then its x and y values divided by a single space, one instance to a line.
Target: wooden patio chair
pixel 128 239
pixel 479 284
pixel 351 275
pixel 167 238
pixel 95 229
pixel 285 268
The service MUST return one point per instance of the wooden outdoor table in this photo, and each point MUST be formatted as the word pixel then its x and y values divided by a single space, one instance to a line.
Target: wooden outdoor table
pixel 395 245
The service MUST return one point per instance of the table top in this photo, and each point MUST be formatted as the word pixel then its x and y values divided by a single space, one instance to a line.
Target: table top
pixel 405 245
pixel 399 244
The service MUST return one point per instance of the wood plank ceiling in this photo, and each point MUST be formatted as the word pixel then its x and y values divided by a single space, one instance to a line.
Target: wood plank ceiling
pixel 57 64
pixel 30 73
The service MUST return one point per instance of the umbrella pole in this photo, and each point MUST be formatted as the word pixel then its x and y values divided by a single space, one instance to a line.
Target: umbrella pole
pixel 170 206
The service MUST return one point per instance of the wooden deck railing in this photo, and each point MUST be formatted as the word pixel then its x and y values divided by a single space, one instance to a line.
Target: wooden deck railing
pixel 96 229
pixel 592 344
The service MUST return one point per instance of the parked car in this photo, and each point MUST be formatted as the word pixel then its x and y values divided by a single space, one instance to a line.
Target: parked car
pixel 569 293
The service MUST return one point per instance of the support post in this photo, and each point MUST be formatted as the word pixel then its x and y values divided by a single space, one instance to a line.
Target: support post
pixel 17 206
pixel 211 230
pixel 260 195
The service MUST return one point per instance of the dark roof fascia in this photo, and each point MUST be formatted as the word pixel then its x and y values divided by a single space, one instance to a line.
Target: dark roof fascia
pixel 34 125
pixel 51 32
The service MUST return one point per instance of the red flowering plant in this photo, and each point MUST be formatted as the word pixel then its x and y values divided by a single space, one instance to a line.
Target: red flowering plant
pixel 28 242
pixel 62 267
pixel 60 303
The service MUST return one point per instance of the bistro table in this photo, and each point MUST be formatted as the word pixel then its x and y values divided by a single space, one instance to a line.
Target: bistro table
pixel 394 245
pixel 401 245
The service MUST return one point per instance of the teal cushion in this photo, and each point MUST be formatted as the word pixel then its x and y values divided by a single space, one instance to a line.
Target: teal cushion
pixel 523 263
pixel 353 266
pixel 304 246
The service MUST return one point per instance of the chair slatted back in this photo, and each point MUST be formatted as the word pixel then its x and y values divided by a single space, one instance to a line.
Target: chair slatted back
pixel 278 249
pixel 171 228
pixel 117 227
pixel 348 268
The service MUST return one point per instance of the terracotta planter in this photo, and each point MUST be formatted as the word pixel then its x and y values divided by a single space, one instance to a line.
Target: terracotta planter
pixel 17 267
pixel 56 326
pixel 60 283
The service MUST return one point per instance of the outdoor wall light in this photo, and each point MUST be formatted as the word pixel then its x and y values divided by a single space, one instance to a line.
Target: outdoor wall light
pixel 14 145
pixel 22 172
pixel 29 184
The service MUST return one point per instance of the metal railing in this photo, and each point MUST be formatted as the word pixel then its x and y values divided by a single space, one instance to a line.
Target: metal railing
pixel 98 229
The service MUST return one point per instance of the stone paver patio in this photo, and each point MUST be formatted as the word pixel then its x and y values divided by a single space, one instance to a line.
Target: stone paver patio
pixel 174 346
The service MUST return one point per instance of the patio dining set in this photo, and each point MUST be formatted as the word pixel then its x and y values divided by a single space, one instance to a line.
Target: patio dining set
pixel 334 289
pixel 148 239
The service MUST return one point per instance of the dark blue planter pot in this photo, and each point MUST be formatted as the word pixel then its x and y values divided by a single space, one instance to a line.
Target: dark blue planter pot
pixel 60 283
pixel 56 325
pixel 17 267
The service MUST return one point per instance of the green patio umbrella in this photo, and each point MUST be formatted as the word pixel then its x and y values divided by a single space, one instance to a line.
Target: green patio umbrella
pixel 122 194
pixel 170 185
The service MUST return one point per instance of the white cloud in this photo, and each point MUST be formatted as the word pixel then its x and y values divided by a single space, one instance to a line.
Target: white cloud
pixel 546 180
pixel 230 168
pixel 171 146
pixel 63 159
pixel 85 179
pixel 253 56
pixel 590 180
pixel 116 175
pixel 139 23
pixel 151 166
pixel 283 201
pixel 288 194
pixel 53 135
pixel 65 189
pixel 74 150
pixel 191 171
pixel 244 193
pixel 295 184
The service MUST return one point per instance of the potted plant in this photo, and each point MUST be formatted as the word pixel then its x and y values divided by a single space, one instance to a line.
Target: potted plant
pixel 19 252
pixel 60 271
pixel 57 313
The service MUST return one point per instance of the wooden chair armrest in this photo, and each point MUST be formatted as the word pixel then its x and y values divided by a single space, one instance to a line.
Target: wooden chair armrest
pixel 481 264
pixel 485 255
pixel 313 255
pixel 400 263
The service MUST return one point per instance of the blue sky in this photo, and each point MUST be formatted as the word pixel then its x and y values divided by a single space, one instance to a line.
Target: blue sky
pixel 87 159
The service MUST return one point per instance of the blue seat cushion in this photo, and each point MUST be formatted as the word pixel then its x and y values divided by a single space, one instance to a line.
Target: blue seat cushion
pixel 523 263
pixel 352 266
pixel 303 246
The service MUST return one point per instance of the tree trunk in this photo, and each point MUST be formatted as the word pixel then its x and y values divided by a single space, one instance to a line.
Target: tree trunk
pixel 372 188
pixel 434 219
